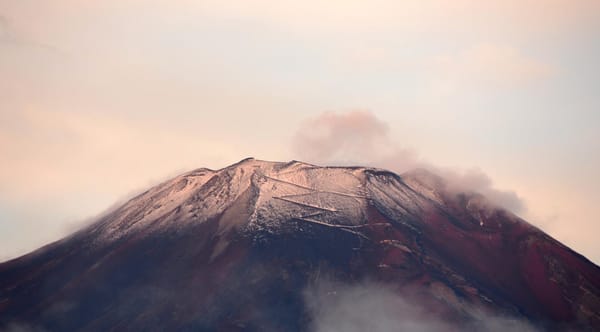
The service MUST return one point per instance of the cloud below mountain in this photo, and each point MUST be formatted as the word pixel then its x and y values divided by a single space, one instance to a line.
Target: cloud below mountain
pixel 371 306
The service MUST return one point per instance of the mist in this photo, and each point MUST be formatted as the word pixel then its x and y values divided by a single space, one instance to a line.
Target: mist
pixel 336 306
pixel 360 138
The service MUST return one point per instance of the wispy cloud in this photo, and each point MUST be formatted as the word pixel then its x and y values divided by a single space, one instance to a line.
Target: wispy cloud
pixel 530 15
pixel 10 36
pixel 71 165
pixel 80 144
pixel 337 306
pixel 360 138
pixel 7 33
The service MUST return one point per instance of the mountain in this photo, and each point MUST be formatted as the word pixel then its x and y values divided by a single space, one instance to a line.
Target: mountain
pixel 249 247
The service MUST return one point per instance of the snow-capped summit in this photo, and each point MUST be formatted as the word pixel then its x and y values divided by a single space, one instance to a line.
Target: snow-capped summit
pixel 271 192
pixel 234 249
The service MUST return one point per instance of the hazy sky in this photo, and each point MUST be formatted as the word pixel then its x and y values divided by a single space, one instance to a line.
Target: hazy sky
pixel 99 99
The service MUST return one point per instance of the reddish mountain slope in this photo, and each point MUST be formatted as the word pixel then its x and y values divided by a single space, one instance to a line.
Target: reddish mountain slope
pixel 236 249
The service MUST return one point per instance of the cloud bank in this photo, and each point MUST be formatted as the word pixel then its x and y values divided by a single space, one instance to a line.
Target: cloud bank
pixel 360 138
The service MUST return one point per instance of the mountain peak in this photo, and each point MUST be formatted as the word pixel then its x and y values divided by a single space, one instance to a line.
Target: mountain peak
pixel 212 248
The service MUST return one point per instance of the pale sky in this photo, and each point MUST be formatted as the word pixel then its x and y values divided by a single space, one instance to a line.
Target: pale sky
pixel 101 99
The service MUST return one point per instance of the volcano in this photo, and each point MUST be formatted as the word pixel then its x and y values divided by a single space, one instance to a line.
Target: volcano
pixel 236 249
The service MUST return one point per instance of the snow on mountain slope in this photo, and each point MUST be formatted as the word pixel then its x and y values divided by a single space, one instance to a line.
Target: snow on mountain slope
pixel 328 196
pixel 281 191
pixel 234 249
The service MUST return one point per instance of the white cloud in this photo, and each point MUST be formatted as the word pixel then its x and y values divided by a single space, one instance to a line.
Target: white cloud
pixel 337 306
pixel 360 138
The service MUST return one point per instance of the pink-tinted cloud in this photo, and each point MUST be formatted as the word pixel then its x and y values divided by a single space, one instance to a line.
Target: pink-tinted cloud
pixel 360 138
pixel 340 137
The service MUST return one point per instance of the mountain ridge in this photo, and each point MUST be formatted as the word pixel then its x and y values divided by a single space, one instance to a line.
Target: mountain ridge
pixel 280 224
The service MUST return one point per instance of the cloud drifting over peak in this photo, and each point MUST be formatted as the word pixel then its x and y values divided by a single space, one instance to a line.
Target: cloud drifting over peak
pixel 360 138
pixel 355 136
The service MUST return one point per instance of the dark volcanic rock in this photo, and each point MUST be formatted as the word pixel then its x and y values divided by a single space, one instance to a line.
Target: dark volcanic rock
pixel 236 249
